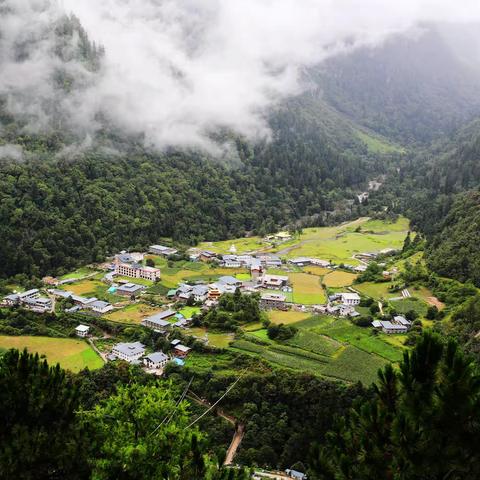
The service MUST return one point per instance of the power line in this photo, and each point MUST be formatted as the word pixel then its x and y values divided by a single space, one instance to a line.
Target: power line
pixel 218 401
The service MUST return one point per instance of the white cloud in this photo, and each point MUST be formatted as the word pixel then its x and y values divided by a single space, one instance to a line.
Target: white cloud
pixel 176 70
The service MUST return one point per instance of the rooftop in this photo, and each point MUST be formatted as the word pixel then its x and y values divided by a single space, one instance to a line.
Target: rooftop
pixel 130 349
pixel 157 357
pixel 82 328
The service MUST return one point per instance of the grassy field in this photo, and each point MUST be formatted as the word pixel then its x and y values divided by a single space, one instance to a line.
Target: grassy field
pixel 288 317
pixel 316 270
pixel 84 287
pixel 189 312
pixel 343 330
pixel 306 288
pixel 79 273
pixel 73 355
pixel 376 144
pixel 412 303
pixel 242 245
pixel 377 290
pixel 339 243
pixel 132 313
pixel 220 340
pixel 339 279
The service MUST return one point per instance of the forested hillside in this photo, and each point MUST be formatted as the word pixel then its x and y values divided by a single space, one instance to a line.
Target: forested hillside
pixel 411 89
pixel 65 201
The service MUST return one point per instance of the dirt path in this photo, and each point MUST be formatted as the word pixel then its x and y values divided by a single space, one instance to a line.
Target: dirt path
pixel 274 475
pixel 103 356
pixel 239 429
pixel 435 302
pixel 234 444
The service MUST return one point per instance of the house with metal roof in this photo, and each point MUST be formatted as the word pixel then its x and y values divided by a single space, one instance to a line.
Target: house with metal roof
pixel 159 321
pixel 129 352
pixel 130 289
pixel 155 360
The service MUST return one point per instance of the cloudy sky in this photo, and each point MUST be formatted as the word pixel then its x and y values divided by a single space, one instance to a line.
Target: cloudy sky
pixel 178 69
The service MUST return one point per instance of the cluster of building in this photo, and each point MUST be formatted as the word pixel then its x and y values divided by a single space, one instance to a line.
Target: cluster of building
pixel 83 303
pixel 30 299
pixel 342 304
pixel 135 353
pixel 398 324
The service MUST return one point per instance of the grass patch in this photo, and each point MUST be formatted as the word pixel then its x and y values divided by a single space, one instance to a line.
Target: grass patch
pixel 316 270
pixel 344 331
pixel 353 364
pixel 412 303
pixel 77 274
pixel 242 245
pixel 306 288
pixel 339 243
pixel 133 314
pixel 215 339
pixel 288 317
pixel 72 354
pixel 189 312
pixel 314 342
pixel 379 145
pixel 339 279
pixel 378 291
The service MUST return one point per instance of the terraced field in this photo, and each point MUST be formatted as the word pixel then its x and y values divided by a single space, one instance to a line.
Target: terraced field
pixel 325 346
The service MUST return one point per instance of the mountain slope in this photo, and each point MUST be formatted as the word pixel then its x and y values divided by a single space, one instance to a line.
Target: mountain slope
pixel 414 88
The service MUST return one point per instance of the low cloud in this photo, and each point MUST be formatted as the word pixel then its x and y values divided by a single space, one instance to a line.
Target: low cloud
pixel 178 70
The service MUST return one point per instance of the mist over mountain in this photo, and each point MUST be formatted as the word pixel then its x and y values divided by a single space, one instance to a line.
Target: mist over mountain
pixel 414 87
pixel 175 73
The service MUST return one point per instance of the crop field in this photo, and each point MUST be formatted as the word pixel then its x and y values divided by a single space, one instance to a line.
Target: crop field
pixel 316 270
pixel 306 288
pixel 84 287
pixel 132 313
pixel 288 317
pixel 314 342
pixel 344 331
pixel 349 363
pixel 339 279
pixel 73 355
pixel 341 242
pixel 326 346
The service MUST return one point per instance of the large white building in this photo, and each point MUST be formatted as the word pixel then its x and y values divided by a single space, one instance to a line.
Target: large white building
pixel 351 299
pixel 128 351
pixel 136 270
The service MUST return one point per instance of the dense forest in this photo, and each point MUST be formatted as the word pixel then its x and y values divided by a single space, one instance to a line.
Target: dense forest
pixel 421 418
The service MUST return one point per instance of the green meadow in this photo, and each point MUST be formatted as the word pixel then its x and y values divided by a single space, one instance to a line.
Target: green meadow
pixel 72 354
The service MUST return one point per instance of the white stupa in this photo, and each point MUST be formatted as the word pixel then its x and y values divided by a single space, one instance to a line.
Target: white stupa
pixel 233 249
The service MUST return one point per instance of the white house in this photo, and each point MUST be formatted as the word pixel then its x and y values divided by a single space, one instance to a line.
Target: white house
pixel 156 360
pixel 128 351
pixel 100 307
pixel 350 299
pixel 82 330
